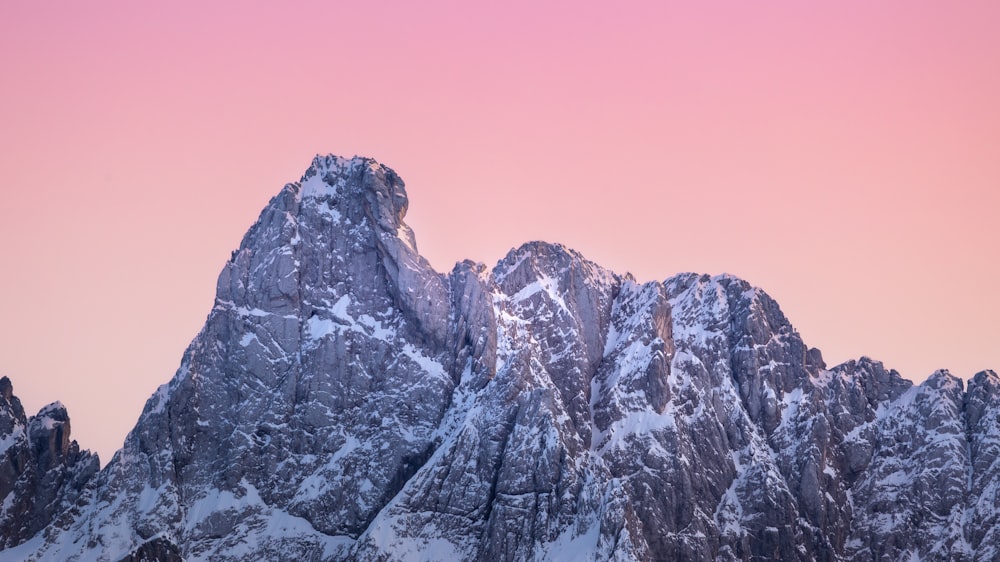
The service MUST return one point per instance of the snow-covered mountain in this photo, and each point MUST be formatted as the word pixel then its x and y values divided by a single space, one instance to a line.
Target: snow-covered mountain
pixel 345 401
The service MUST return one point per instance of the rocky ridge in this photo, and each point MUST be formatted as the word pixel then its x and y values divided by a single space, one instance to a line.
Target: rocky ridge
pixel 345 401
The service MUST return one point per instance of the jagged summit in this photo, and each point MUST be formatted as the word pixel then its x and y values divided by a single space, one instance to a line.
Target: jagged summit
pixel 6 388
pixel 345 401
pixel 55 411
pixel 334 179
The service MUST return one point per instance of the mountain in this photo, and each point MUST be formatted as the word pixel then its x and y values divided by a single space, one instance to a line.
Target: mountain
pixel 344 401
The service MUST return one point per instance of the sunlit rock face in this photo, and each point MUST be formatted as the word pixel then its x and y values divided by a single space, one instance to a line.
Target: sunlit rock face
pixel 345 401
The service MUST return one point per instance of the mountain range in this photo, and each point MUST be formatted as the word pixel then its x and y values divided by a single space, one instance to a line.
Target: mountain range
pixel 345 401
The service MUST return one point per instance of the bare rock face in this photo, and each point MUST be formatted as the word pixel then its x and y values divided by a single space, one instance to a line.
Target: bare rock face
pixel 42 472
pixel 345 401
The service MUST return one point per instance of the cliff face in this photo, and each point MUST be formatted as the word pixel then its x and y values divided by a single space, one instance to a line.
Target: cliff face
pixel 346 401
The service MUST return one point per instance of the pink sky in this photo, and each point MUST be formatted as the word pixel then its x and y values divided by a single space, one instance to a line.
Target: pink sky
pixel 845 157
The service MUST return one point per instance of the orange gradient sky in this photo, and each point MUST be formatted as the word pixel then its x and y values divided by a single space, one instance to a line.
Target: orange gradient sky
pixel 844 156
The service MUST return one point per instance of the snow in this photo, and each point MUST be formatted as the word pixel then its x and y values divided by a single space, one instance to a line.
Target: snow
pixel 317 328
pixel 260 524
pixel 159 398
pixel 698 307
pixel 789 405
pixel 728 515
pixel 11 438
pixel 339 308
pixel 633 424
pixel 147 500
pixel 315 187
pixel 430 547
pixel 216 500
pixel 405 235
pixel 377 330
pixel 823 378
pixel 464 408
pixel 314 485
pixel 430 366
pixel 8 502
pixel 29 548
pixel 44 418
pixel 543 284
pixel 331 212
pixel 501 275
pixel 611 343
pixel 258 313
pixel 572 547
pixel 46 421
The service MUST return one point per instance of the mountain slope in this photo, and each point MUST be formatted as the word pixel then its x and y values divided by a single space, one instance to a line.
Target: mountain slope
pixel 346 401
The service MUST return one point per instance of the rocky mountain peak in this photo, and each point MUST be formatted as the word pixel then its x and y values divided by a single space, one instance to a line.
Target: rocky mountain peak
pixel 361 184
pixel 982 390
pixel 943 379
pixel 11 411
pixel 6 389
pixel 49 434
